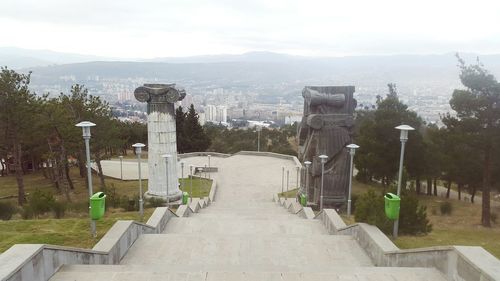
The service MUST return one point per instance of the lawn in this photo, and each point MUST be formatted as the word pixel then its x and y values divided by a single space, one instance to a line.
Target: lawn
pixel 73 229
pixel 462 227
pixel 201 187
pixel 289 194
pixel 72 232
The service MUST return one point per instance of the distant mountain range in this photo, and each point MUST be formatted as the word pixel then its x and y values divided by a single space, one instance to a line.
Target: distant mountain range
pixel 251 70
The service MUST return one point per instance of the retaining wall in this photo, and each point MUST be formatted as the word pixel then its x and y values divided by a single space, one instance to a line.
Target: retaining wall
pixel 38 262
pixel 455 262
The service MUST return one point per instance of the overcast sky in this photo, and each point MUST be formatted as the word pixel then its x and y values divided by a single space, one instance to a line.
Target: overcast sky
pixel 154 28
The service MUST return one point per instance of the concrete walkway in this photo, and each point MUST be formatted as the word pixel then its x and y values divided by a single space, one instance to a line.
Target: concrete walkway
pixel 243 235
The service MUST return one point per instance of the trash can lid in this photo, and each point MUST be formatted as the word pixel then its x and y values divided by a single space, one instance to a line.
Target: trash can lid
pixel 99 194
pixel 391 196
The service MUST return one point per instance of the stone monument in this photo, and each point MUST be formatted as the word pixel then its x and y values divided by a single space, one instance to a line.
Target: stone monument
pixel 326 128
pixel 160 99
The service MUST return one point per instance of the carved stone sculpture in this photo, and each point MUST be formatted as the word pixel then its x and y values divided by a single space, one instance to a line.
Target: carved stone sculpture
pixel 160 99
pixel 326 128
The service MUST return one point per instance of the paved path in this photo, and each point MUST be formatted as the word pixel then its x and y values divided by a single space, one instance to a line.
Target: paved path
pixel 245 236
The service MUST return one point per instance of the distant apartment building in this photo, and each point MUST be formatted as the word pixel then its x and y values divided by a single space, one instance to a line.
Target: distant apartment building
pixel 289 120
pixel 125 96
pixel 216 114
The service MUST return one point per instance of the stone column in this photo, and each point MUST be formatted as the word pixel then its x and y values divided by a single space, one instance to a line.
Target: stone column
pixel 160 99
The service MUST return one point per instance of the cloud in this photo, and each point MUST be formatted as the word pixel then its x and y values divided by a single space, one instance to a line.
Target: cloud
pixel 154 28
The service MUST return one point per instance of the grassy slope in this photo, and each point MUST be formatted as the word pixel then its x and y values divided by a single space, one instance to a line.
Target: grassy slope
pixel 462 227
pixel 73 230
pixel 201 187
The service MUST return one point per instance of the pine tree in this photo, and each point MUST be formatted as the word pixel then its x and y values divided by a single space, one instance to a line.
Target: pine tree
pixel 180 119
pixel 478 116
pixel 18 109
pixel 195 137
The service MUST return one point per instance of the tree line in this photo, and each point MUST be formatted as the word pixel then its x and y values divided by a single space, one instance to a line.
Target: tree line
pixel 39 131
pixel 462 151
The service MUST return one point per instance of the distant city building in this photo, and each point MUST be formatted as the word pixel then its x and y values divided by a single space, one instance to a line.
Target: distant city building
pixel 289 120
pixel 216 114
pixel 201 118
pixel 221 115
pixel 125 96
pixel 252 124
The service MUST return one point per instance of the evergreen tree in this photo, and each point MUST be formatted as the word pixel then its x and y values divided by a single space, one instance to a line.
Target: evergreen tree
pixel 180 119
pixel 379 142
pixel 195 137
pixel 478 118
pixel 18 110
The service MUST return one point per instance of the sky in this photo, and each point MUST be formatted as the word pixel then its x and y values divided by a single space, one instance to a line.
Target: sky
pixel 155 28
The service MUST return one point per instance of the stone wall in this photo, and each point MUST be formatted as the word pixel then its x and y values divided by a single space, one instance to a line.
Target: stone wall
pixel 455 262
pixel 38 262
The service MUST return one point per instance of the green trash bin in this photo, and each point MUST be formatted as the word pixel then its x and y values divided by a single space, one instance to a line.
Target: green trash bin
pixel 303 199
pixel 392 204
pixel 185 197
pixel 97 205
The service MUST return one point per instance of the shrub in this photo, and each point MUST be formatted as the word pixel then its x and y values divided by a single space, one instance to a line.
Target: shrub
pixel 59 209
pixel 156 202
pixel 446 208
pixel 370 209
pixel 41 202
pixel 27 212
pixel 129 204
pixel 6 211
pixel 493 217
pixel 78 207
pixel 412 217
pixel 112 198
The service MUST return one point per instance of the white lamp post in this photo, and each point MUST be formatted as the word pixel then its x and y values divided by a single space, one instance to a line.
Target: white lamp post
pixel 298 170
pixel 287 182
pixel 308 164
pixel 258 128
pixel 182 169
pixel 323 159
pixel 121 166
pixel 403 137
pixel 85 125
pixel 208 165
pixel 167 159
pixel 191 182
pixel 282 179
pixel 352 150
pixel 138 151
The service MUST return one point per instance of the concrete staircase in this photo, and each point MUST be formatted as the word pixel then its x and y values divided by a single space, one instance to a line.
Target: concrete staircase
pixel 260 241
pixel 244 239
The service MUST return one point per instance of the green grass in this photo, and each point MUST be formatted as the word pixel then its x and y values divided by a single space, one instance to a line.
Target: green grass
pixel 73 232
pixel 462 227
pixel 73 229
pixel 201 187
pixel 289 194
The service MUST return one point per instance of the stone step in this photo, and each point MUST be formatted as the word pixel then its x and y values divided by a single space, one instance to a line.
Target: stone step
pixel 152 273
pixel 257 216
pixel 204 224
pixel 245 210
pixel 284 251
